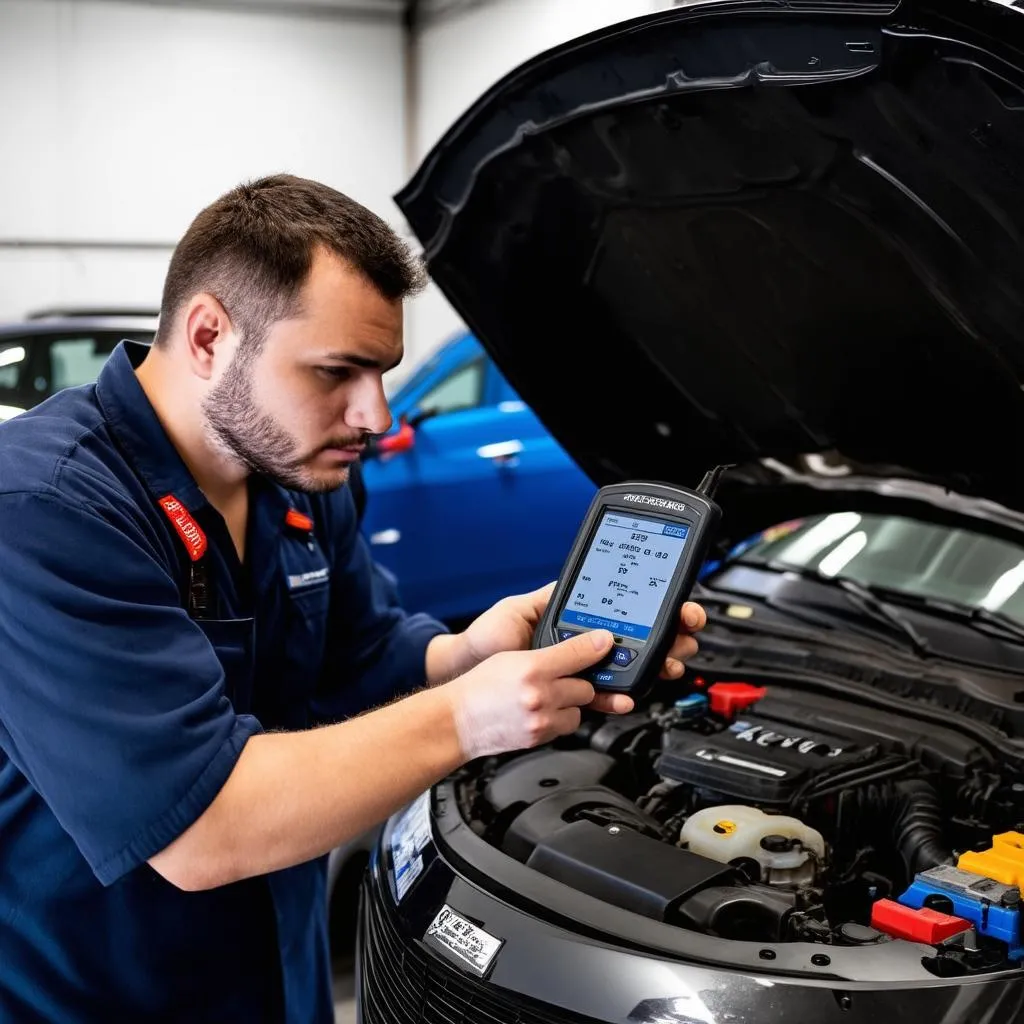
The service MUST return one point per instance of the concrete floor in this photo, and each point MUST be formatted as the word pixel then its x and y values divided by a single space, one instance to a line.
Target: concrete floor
pixel 344 992
pixel 344 1008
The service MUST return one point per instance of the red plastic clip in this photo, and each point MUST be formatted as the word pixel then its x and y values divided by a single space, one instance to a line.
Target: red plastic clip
pixel 729 698
pixel 924 925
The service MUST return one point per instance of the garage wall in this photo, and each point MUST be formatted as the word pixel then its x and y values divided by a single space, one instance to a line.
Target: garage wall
pixel 121 120
pixel 460 54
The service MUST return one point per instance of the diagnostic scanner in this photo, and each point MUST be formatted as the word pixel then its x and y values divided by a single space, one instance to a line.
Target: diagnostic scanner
pixel 633 564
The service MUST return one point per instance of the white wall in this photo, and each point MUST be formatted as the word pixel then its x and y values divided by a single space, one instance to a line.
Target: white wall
pixel 458 56
pixel 120 121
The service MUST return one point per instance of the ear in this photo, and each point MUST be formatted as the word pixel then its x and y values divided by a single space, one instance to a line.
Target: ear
pixel 208 332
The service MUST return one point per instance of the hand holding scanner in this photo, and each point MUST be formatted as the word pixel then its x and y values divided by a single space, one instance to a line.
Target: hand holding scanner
pixel 632 566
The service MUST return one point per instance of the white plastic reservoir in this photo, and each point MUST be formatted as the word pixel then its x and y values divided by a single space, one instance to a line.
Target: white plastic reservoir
pixel 732 831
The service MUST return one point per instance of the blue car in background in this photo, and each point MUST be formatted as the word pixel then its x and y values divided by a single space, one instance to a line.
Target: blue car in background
pixel 470 499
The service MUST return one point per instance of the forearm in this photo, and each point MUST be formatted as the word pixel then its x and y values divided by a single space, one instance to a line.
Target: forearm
pixel 447 658
pixel 295 796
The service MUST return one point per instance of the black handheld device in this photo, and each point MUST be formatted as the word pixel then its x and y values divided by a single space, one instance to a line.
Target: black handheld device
pixel 633 564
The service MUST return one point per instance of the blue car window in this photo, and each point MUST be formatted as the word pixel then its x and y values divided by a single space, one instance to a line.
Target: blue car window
pixel 461 389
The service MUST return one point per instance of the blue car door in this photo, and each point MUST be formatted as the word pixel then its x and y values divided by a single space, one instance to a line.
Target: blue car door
pixel 483 504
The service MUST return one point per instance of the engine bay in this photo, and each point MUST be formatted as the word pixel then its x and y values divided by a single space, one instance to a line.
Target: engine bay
pixel 756 813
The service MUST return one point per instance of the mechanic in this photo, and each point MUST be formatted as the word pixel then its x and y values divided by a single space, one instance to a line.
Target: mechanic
pixel 192 627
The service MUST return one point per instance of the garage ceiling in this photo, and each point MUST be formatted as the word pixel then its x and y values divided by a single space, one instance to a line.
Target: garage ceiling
pixel 385 9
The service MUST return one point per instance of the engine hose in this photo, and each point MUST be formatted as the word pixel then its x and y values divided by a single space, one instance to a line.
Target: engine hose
pixel 911 809
pixel 917 826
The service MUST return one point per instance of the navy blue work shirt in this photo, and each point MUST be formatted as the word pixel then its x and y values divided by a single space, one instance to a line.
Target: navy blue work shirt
pixel 121 716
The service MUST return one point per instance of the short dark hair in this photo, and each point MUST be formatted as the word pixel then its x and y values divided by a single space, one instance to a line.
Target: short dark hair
pixel 253 249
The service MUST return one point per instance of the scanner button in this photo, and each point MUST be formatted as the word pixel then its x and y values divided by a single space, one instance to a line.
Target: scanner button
pixel 623 655
pixel 603 677
pixel 566 634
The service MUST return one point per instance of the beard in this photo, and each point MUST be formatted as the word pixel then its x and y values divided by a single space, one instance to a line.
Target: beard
pixel 257 441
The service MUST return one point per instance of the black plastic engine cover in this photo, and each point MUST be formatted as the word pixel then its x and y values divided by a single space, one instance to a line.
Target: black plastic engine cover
pixel 753 913
pixel 543 772
pixel 756 759
pixel 943 750
pixel 625 868
pixel 538 822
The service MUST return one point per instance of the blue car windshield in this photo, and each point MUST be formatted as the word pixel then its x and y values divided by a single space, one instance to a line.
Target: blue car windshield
pixel 918 559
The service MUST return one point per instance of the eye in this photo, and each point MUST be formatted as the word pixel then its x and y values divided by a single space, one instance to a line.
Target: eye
pixel 335 373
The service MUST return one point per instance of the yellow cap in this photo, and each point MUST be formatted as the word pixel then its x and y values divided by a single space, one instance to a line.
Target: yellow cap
pixel 1003 862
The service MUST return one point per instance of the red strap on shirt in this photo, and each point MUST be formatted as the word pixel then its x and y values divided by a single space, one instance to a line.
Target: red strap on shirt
pixel 188 529
pixel 296 519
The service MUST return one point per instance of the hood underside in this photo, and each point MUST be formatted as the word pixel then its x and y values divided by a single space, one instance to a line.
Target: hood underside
pixel 738 231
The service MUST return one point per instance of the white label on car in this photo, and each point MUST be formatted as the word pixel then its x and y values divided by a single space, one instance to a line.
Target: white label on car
pixel 408 874
pixel 409 838
pixel 469 943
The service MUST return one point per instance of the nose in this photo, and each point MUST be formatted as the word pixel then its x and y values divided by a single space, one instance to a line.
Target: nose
pixel 368 409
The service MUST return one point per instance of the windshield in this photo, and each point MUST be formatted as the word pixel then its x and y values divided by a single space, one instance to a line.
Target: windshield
pixel 918 559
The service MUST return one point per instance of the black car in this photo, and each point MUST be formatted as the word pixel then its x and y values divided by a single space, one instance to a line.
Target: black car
pixel 740 234
pixel 57 348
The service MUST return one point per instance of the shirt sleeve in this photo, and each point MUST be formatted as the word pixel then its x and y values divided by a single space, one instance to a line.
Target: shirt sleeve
pixel 112 701
pixel 376 651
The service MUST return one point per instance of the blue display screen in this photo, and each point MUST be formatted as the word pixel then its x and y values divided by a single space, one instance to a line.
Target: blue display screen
pixel 625 575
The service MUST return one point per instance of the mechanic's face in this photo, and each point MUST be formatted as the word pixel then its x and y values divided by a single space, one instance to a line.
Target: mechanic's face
pixel 300 410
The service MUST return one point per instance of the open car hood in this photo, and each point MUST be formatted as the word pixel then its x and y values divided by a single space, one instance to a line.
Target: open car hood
pixel 748 230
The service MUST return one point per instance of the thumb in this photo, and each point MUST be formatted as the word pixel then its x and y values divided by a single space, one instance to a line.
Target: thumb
pixel 578 652
pixel 540 597
pixel 532 605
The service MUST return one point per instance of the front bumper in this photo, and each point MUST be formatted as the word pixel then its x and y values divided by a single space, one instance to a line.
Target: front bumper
pixel 402 982
pixel 546 970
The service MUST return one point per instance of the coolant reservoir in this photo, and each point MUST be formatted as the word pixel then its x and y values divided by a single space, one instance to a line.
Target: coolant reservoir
pixel 787 850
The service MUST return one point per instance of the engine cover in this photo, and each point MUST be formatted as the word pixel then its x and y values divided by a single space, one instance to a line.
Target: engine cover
pixel 623 867
pixel 756 759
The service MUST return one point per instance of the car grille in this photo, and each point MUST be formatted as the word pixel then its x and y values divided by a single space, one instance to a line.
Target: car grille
pixel 401 984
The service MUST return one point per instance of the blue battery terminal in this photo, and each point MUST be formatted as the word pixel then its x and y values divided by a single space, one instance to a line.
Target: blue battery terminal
pixel 692 705
pixel 991 906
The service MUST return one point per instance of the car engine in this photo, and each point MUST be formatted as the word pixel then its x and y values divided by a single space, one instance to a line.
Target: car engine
pixel 755 813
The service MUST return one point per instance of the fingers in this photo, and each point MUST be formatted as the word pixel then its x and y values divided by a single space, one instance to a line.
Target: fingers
pixel 571 656
pixel 683 648
pixel 554 709
pixel 693 617
pixel 612 703
pixel 571 693
pixel 672 669
pixel 565 721
pixel 536 601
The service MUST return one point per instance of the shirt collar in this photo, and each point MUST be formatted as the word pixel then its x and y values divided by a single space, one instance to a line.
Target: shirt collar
pixel 138 430
pixel 142 437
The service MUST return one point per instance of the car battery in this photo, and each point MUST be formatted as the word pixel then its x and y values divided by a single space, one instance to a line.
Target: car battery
pixel 992 907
